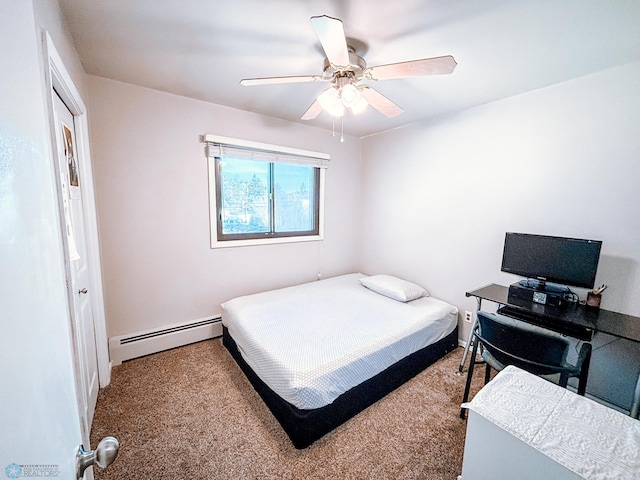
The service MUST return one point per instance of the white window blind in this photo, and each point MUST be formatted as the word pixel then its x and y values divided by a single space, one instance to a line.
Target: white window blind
pixel 229 147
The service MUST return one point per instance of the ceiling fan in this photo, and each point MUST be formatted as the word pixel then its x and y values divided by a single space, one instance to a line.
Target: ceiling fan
pixel 345 69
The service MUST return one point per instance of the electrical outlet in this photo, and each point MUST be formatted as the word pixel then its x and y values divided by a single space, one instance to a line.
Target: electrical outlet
pixel 468 316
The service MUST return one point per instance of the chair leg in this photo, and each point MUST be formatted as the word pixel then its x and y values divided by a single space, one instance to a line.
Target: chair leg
pixel 564 379
pixel 467 387
pixel 487 373
pixel 584 373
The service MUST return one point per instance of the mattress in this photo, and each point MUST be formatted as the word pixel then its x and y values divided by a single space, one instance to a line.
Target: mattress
pixel 312 342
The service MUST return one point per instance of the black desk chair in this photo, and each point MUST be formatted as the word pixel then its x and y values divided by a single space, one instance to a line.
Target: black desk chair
pixel 507 341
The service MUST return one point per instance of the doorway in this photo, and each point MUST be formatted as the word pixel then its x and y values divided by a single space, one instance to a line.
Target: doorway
pixel 76 259
pixel 69 135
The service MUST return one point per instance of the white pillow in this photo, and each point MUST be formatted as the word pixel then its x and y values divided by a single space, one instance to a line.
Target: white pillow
pixel 394 287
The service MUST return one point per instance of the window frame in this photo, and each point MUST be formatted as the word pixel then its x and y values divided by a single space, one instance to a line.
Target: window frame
pixel 314 159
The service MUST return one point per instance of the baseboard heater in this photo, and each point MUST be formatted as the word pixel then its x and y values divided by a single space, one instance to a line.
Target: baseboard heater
pixel 126 347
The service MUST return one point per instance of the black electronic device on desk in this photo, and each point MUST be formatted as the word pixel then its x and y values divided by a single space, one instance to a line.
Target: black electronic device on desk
pixel 526 291
pixel 550 264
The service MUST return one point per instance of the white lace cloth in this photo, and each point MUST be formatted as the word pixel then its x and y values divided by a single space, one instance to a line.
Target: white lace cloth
pixel 589 439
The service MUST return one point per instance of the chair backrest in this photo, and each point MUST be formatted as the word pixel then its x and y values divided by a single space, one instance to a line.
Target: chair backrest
pixel 514 342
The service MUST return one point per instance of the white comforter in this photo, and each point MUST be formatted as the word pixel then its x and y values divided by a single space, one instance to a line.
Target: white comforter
pixel 312 342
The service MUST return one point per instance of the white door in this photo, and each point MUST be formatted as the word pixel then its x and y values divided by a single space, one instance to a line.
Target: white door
pixel 78 281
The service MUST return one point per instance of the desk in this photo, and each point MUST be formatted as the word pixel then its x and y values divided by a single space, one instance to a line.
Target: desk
pixel 574 320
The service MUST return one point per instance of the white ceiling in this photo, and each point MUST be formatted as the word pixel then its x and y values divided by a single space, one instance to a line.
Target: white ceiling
pixel 202 48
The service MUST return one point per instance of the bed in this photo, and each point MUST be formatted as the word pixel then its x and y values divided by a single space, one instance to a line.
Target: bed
pixel 321 352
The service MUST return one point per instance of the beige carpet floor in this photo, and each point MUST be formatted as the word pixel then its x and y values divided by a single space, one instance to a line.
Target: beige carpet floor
pixel 190 413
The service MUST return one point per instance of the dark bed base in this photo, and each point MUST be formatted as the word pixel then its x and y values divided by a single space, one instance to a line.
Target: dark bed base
pixel 306 426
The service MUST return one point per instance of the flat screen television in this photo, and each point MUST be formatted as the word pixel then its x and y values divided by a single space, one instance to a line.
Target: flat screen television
pixel 560 260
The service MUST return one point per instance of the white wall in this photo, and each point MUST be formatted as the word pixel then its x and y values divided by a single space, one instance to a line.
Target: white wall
pixel 49 17
pixel 438 197
pixel 150 173
pixel 39 412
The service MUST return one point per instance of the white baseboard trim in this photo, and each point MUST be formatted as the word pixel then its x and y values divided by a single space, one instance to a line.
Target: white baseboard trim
pixel 126 347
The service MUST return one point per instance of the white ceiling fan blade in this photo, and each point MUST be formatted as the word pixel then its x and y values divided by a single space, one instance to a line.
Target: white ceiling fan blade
pixel 248 82
pixel 330 31
pixel 313 111
pixel 380 102
pixel 413 68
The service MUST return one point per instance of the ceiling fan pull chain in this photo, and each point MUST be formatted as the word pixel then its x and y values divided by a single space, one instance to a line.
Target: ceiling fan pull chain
pixel 342 129
pixel 333 126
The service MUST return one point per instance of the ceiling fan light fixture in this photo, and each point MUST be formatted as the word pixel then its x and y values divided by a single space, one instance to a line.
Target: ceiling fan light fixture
pixel 350 95
pixel 330 101
pixel 360 106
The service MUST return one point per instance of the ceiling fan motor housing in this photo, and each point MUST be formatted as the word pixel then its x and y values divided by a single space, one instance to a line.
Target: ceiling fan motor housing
pixel 355 69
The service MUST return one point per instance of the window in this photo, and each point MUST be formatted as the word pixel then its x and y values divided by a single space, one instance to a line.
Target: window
pixel 262 193
pixel 255 199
